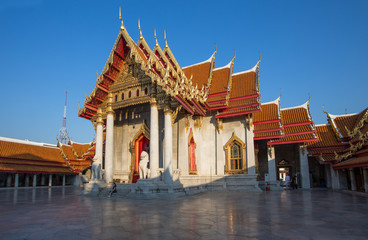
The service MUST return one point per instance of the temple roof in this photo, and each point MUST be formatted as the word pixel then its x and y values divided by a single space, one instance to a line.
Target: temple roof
pixel 344 141
pixel 352 162
pixel 327 144
pixel 30 157
pixel 267 122
pixel 298 125
pixel 200 73
pixel 244 95
pixel 197 87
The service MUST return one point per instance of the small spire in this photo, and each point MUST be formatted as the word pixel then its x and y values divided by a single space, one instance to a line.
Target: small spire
pixel 259 60
pixel 121 19
pixel 280 92
pixel 323 108
pixel 140 31
pixel 97 76
pixel 156 38
pixel 234 56
pixel 166 45
pixel 309 98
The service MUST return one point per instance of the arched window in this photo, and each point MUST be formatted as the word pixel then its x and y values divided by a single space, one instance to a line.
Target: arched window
pixel 235 156
pixel 122 96
pixel 116 98
pixel 130 94
pixel 145 91
pixel 137 92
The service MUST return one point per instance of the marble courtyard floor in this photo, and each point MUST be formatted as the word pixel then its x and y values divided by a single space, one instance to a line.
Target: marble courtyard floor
pixel 61 213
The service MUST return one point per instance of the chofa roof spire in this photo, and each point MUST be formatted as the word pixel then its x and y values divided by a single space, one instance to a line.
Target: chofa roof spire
pixel 121 19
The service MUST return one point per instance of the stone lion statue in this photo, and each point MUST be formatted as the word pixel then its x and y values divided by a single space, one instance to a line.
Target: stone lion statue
pixel 96 168
pixel 143 165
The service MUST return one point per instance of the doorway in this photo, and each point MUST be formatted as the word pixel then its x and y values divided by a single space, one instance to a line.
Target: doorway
pixel 140 144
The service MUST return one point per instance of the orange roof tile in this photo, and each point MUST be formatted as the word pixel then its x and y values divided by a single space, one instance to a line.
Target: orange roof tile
pixel 243 84
pixel 342 121
pixel 267 135
pixel 327 138
pixel 300 138
pixel 295 115
pixel 270 112
pixel 220 80
pixel 80 148
pixel 200 72
pixel 298 126
pixel 267 126
pixel 28 157
pixel 237 112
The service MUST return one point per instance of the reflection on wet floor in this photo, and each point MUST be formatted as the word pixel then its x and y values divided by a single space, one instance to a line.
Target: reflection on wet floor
pixel 60 213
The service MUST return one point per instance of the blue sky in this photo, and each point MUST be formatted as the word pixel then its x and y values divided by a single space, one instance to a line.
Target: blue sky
pixel 308 47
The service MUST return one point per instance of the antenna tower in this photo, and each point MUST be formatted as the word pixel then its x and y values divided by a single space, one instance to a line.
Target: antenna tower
pixel 63 134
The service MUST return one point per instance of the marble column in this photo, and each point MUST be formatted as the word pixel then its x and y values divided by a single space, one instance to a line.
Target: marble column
pixel 271 164
pixel 34 182
pixel 352 179
pixel 304 167
pixel 9 180
pixel 168 170
pixel 99 134
pixel 154 139
pixel 335 181
pixel 43 180
pixel 64 177
pixel 16 181
pixel 26 184
pixel 328 176
pixel 250 147
pixel 365 179
pixel 109 160
pixel 50 180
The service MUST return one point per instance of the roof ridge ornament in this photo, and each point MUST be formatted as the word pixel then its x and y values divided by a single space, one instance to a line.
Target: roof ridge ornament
pixel 166 45
pixel 155 37
pixel 140 31
pixel 232 60
pixel 323 109
pixel 121 19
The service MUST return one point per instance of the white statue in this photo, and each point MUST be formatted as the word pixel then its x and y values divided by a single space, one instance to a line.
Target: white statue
pixel 96 168
pixel 143 165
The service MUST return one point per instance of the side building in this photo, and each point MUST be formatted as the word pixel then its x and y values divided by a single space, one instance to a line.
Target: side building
pixel 26 163
pixel 343 151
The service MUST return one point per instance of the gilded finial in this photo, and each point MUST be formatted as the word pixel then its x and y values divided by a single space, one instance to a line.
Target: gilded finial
pixel 259 60
pixel 140 31
pixel 85 95
pixel 280 92
pixel 156 37
pixel 323 108
pixel 234 56
pixel 121 19
pixel 215 48
pixel 309 98
pixel 165 38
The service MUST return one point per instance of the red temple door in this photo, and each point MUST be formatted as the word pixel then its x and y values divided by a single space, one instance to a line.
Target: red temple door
pixel 139 146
